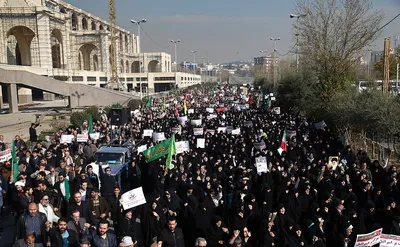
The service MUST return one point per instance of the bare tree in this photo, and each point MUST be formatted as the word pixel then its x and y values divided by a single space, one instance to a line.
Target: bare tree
pixel 332 35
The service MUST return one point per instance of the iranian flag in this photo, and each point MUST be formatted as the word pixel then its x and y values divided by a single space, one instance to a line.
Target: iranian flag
pixel 283 142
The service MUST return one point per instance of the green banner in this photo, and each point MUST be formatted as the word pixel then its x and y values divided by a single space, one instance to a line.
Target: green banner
pixel 158 150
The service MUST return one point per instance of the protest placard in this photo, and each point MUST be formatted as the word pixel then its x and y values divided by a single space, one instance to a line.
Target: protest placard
pixel 82 137
pixel 261 164
pixel 148 133
pixel 133 198
pixel 158 136
pixel 201 143
pixel 259 145
pixel 182 146
pixel 369 239
pixel 195 122
pixel 210 110
pixel 236 131
pixel 5 155
pixel 387 240
pixel 94 136
pixel 67 138
pixel 198 131
pixel 142 148
pixel 211 131
pixel 182 120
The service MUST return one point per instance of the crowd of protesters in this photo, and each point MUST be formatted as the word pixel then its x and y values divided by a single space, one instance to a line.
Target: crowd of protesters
pixel 211 196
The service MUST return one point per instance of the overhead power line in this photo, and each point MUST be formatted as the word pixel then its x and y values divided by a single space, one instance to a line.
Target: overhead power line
pixel 164 47
pixel 394 18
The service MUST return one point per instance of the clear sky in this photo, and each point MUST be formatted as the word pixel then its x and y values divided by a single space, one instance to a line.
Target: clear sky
pixel 226 30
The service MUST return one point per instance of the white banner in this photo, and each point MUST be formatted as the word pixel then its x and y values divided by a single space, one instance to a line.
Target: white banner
pixel 94 136
pixel 182 146
pixel 158 136
pixel 148 133
pixel 290 133
pixel 210 131
pixel 195 122
pixel 223 129
pixel 198 131
pixel 389 240
pixel 67 139
pixel 201 143
pixel 5 155
pixel 82 137
pixel 142 148
pixel 259 145
pixel 133 198
pixel 210 110
pixel 261 164
pixel 212 116
pixel 236 131
pixel 182 120
pixel 369 239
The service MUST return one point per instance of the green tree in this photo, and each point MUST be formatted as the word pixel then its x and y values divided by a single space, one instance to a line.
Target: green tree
pixel 77 118
pixel 332 35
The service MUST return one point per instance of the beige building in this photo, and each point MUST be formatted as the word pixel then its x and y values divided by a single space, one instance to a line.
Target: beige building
pixel 55 39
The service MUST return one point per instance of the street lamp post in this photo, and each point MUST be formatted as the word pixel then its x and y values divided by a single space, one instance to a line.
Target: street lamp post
pixel 139 51
pixel 298 16
pixel 194 60
pixel 78 96
pixel 176 56
pixel 275 64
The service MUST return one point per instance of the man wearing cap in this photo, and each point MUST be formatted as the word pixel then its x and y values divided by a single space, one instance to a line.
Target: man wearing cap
pixel 127 242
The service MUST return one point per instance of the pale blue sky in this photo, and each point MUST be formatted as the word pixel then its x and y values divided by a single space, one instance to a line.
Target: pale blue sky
pixel 229 29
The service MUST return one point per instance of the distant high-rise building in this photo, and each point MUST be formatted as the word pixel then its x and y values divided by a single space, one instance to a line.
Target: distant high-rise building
pixel 267 61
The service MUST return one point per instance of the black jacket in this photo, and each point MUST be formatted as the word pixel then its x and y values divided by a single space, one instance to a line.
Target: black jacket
pixel 107 183
pixel 170 239
pixel 57 240
pixel 21 227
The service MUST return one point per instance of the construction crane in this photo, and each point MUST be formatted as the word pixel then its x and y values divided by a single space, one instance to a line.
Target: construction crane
pixel 114 83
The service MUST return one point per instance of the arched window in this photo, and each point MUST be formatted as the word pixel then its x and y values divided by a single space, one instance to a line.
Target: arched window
pixel 84 23
pixel 74 22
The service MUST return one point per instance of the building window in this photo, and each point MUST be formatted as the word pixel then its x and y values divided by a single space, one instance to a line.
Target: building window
pixel 164 78
pixel 91 78
pixel 77 78
pixel 129 79
pixel 103 78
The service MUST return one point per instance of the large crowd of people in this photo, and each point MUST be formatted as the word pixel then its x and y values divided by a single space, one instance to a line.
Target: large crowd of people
pixel 210 196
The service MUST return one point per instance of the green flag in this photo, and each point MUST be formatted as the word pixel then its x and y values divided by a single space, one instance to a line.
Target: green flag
pixel 14 162
pixel 159 150
pixel 149 102
pixel 90 124
pixel 172 151
pixel 163 105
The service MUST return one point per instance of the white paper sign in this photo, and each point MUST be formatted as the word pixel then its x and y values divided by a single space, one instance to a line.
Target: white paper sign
pixel 223 129
pixel 196 122
pixel 67 138
pixel 191 111
pixel 158 136
pixel 211 116
pixel 201 143
pixel 277 110
pixel 182 120
pixel 210 110
pixel 148 133
pixel 236 131
pixel 182 146
pixel 82 137
pixel 273 98
pixel 5 155
pixel 133 198
pixel 198 131
pixel 261 164
pixel 142 148
pixel 94 136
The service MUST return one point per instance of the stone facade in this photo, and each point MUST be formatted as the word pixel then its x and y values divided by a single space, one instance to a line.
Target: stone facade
pixel 55 39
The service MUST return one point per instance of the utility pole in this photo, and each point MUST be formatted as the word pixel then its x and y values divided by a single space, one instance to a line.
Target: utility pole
pixel 386 65
pixel 139 51
pixel 274 61
pixel 298 16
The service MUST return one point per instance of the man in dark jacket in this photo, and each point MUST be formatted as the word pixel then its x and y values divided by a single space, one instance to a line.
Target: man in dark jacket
pixel 33 221
pixel 77 204
pixel 102 237
pixel 108 182
pixel 173 236
pixel 60 236
pixel 33 135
